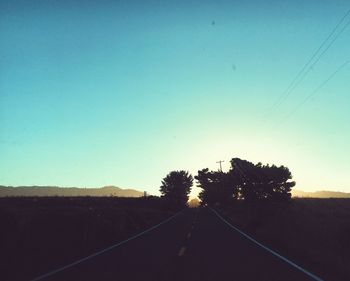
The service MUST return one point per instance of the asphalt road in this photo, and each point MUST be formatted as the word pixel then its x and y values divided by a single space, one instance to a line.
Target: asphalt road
pixel 195 245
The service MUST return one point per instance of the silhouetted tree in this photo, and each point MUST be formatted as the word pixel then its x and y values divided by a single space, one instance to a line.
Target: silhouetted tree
pixel 175 188
pixel 261 182
pixel 245 181
pixel 217 187
pixel 208 195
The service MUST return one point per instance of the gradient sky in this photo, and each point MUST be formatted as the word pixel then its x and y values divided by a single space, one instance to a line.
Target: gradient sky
pixel 97 93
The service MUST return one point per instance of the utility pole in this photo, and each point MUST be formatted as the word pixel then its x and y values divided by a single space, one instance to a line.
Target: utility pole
pixel 219 162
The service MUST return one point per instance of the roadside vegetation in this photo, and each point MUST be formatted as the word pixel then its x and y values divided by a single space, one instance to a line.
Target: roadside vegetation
pixel 315 233
pixel 175 189
pixel 245 181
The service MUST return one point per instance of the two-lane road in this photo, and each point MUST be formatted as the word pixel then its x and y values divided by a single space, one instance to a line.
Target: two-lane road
pixel 195 245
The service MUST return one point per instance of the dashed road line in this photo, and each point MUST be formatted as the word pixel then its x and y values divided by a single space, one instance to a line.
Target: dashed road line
pixel 189 235
pixel 182 251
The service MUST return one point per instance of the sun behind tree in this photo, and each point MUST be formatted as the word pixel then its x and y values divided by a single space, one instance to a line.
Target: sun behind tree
pixel 176 187
pixel 245 181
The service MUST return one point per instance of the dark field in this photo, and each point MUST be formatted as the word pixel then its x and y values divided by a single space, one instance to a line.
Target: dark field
pixel 315 233
pixel 40 234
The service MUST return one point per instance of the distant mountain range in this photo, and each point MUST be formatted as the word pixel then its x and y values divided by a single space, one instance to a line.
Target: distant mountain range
pixel 320 194
pixel 6 191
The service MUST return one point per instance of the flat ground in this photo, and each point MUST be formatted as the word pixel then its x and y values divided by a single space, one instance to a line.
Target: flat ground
pixel 314 232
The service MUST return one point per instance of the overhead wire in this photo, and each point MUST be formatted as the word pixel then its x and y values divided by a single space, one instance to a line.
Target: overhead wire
pixel 314 92
pixel 311 62
pixel 318 59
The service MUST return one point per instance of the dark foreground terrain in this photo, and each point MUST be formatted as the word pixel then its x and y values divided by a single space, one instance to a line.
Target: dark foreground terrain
pixel 194 244
pixel 313 231
pixel 38 234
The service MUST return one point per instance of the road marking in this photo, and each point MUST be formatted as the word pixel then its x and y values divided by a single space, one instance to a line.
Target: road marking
pixel 104 250
pixel 189 235
pixel 313 276
pixel 182 251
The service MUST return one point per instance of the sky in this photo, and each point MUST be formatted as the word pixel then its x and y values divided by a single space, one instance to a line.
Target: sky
pixel 96 93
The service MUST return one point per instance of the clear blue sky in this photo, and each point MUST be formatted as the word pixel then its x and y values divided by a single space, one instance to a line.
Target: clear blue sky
pixel 97 93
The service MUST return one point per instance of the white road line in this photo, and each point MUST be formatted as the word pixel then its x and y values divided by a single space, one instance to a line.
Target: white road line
pixel 182 251
pixel 189 235
pixel 103 251
pixel 313 276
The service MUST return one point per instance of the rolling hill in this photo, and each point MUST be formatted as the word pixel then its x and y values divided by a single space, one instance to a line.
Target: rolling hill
pixel 6 191
pixel 320 194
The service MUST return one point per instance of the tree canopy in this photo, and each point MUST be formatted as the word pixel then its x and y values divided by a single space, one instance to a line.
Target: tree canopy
pixel 216 187
pixel 245 181
pixel 175 188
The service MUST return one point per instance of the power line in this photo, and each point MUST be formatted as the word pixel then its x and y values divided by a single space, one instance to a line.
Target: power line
pixel 314 92
pixel 318 59
pixel 309 64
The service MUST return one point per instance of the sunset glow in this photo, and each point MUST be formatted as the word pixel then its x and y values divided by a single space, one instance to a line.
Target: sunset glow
pixel 120 93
